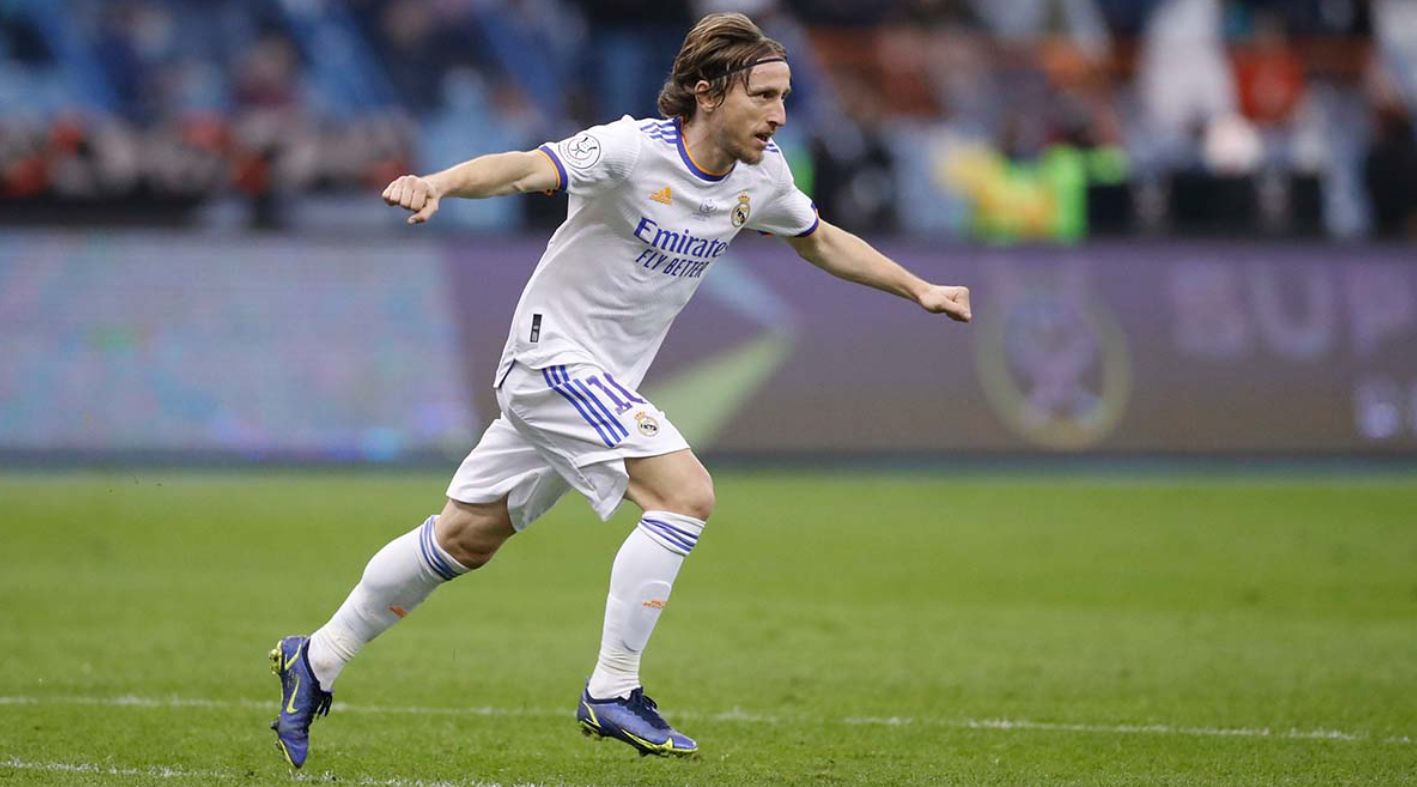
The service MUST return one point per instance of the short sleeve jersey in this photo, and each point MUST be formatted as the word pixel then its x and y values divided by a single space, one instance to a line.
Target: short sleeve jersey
pixel 644 226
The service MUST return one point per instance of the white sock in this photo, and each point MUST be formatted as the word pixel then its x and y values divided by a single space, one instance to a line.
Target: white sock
pixel 640 582
pixel 397 579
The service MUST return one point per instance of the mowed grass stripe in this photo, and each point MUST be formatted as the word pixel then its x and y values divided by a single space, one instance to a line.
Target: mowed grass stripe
pixel 741 716
pixel 91 769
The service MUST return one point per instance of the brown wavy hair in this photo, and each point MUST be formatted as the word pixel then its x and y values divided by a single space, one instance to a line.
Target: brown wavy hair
pixel 717 51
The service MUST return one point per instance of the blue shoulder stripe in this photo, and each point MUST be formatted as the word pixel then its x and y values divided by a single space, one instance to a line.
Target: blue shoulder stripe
pixel 661 132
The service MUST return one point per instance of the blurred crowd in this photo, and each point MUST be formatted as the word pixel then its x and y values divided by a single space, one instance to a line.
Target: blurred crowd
pixel 995 119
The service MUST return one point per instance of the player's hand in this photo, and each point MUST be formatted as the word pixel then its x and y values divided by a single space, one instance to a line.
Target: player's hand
pixel 953 301
pixel 411 192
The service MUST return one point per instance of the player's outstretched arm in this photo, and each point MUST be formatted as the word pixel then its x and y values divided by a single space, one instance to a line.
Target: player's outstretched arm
pixel 493 175
pixel 846 256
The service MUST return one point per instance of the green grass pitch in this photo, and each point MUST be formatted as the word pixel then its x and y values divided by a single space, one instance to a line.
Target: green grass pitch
pixel 829 629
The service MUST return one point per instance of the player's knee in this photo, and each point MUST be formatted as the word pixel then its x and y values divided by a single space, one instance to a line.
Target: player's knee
pixel 694 498
pixel 472 534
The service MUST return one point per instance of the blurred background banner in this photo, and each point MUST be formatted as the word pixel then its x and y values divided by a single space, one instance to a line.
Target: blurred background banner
pixel 1189 225
pixel 259 347
pixel 158 342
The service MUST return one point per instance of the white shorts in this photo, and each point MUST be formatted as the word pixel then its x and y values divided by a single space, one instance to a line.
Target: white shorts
pixel 562 427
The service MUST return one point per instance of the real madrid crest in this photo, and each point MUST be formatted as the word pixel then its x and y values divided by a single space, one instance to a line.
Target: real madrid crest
pixel 741 210
pixel 648 426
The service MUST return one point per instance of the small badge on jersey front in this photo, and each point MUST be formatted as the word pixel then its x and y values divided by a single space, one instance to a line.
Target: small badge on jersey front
pixel 649 427
pixel 582 151
pixel 741 210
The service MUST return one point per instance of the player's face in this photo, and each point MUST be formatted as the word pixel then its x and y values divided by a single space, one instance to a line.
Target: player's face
pixel 749 116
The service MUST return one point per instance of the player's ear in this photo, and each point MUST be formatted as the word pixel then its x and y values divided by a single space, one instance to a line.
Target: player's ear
pixel 701 95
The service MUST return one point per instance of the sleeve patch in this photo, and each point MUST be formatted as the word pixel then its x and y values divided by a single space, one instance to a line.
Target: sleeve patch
pixel 581 152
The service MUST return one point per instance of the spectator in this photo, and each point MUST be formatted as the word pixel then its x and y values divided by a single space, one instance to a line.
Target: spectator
pixel 1269 75
pixel 1391 172
pixel 1184 82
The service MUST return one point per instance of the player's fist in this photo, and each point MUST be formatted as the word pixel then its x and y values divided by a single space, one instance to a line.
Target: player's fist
pixel 411 192
pixel 953 301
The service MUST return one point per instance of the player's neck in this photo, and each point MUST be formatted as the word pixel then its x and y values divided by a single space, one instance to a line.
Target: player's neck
pixel 708 156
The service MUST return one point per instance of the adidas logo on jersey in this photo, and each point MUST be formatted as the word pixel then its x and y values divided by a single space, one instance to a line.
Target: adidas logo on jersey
pixel 663 196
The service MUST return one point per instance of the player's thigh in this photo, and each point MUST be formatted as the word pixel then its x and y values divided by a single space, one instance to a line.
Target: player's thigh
pixel 676 482
pixel 504 479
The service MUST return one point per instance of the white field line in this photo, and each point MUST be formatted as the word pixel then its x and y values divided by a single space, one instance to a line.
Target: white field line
pixel 746 717
pixel 168 772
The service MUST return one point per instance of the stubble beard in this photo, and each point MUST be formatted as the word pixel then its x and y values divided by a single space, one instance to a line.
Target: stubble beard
pixel 747 154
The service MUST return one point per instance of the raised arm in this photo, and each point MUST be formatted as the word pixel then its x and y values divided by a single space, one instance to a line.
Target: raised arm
pixel 846 256
pixel 493 175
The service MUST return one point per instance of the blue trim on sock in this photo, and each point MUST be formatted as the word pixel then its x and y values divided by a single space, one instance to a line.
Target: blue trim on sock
pixel 687 535
pixel 431 555
pixel 666 537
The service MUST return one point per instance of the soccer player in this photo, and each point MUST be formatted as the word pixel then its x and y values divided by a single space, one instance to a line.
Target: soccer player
pixel 653 204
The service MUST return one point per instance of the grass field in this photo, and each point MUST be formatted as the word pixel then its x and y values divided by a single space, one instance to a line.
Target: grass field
pixel 829 629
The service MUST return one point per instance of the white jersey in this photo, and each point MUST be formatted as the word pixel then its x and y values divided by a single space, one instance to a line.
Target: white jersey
pixel 645 225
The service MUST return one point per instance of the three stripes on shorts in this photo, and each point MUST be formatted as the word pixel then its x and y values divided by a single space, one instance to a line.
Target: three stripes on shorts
pixel 589 404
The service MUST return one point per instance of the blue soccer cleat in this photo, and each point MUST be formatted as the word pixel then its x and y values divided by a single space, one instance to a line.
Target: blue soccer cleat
pixel 300 696
pixel 634 721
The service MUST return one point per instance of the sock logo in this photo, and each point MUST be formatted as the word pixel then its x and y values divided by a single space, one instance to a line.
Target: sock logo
pixel 656 603
pixel 398 611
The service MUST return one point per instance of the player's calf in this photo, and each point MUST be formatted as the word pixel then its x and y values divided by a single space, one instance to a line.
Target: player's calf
pixel 473 532
pixel 397 579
